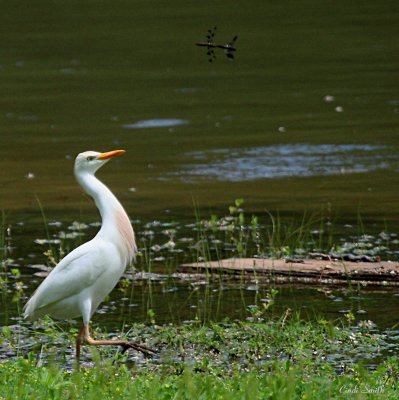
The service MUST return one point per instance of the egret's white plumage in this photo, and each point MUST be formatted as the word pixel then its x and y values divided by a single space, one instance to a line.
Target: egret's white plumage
pixel 81 280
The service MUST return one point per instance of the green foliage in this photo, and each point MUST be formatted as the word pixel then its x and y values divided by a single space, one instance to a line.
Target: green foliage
pixel 22 379
pixel 284 358
pixel 238 235
pixel 259 358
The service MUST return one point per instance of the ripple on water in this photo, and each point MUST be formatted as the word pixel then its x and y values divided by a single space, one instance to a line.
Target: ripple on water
pixel 283 161
pixel 156 123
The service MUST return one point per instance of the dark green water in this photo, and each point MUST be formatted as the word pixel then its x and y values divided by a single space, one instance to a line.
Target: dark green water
pixel 72 74
pixel 306 118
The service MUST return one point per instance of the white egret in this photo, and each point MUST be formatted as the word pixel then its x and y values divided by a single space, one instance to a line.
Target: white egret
pixel 83 278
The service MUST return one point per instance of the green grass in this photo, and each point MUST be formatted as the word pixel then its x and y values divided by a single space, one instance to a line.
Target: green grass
pixel 284 358
pixel 260 357
pixel 22 380
pixel 240 234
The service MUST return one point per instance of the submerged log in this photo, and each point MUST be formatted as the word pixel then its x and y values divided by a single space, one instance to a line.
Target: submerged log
pixel 316 271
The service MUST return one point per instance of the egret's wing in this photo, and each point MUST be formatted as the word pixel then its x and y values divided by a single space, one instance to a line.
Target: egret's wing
pixel 74 273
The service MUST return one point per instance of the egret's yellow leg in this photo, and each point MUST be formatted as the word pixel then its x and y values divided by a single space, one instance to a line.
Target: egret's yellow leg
pixel 85 338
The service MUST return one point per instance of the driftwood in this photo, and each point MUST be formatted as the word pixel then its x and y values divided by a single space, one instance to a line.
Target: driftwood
pixel 316 271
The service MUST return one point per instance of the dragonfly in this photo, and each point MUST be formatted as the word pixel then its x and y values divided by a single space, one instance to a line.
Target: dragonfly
pixel 229 48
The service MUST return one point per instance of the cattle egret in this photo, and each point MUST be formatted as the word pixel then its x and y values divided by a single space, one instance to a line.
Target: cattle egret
pixel 82 279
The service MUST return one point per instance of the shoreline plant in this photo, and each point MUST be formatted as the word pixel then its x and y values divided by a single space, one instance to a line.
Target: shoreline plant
pixel 263 355
pixel 283 358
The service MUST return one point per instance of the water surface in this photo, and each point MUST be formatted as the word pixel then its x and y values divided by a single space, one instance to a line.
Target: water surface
pixel 305 119
pixel 284 161
pixel 74 75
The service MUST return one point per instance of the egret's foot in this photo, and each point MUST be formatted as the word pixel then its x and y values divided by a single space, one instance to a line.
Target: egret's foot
pixel 85 338
pixel 143 349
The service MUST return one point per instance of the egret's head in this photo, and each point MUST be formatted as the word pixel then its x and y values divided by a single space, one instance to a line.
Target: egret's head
pixel 91 161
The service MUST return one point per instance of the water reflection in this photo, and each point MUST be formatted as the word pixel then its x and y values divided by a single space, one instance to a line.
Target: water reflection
pixel 156 123
pixel 282 161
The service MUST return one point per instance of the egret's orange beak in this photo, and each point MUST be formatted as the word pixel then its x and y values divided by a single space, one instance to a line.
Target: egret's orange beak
pixel 110 154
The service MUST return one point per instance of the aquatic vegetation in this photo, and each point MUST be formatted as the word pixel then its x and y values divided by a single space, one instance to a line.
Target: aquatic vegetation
pixel 164 244
pixel 155 294
pixel 266 351
pixel 237 235
pixel 11 285
pixel 258 359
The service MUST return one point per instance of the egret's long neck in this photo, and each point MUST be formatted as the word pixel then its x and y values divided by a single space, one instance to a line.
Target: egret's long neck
pixel 116 226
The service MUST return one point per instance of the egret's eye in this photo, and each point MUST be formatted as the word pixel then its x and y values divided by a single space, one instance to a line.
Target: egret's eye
pixel 90 158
